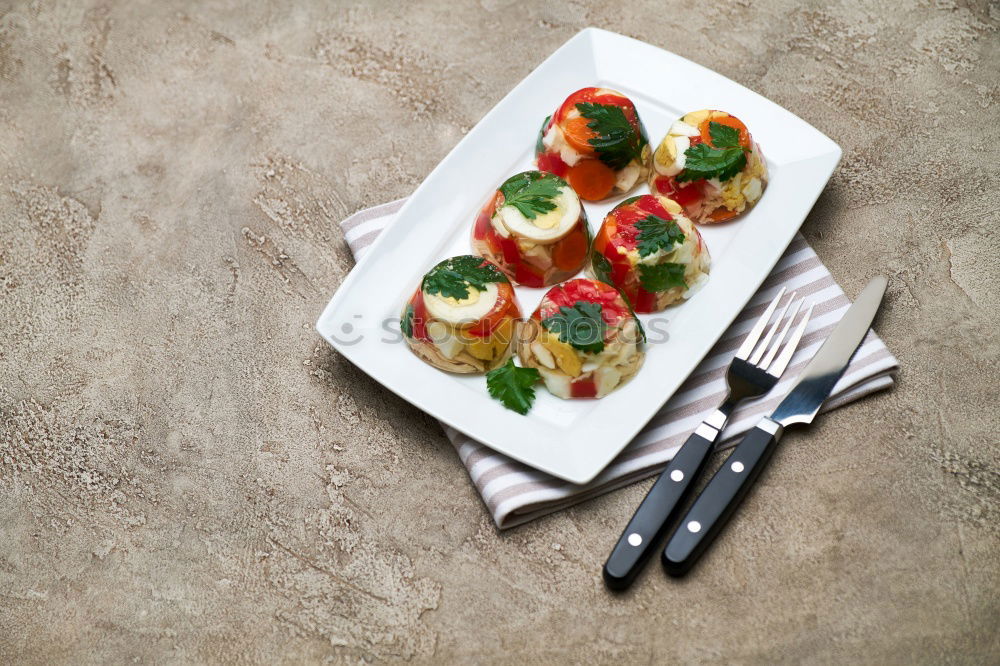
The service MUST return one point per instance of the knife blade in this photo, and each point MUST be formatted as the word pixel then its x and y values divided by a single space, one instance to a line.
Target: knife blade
pixel 723 494
pixel 821 374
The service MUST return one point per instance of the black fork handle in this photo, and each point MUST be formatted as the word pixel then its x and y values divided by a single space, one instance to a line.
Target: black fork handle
pixel 720 498
pixel 657 511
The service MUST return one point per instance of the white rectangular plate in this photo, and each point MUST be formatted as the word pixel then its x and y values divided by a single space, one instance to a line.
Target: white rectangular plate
pixel 576 439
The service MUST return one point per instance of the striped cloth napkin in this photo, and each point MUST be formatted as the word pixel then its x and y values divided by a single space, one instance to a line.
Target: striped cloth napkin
pixel 515 493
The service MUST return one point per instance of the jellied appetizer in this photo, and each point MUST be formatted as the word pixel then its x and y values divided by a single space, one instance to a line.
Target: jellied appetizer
pixel 534 229
pixel 595 141
pixel 462 317
pixel 649 250
pixel 583 339
pixel 710 165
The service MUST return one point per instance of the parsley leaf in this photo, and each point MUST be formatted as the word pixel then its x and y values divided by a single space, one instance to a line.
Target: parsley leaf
pixel 638 324
pixel 513 386
pixel 532 192
pixel 539 146
pixel 601 266
pixel 723 136
pixel 704 162
pixel 656 233
pixel 452 277
pixel 723 162
pixel 406 323
pixel 602 269
pixel 580 326
pixel 617 143
pixel 660 277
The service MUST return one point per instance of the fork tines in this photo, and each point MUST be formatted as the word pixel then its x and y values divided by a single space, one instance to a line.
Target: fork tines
pixel 762 355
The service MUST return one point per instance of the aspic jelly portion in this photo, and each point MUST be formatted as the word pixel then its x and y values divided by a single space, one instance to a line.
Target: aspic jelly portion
pixel 709 164
pixel 596 141
pixel 462 317
pixel 649 250
pixel 534 229
pixel 583 339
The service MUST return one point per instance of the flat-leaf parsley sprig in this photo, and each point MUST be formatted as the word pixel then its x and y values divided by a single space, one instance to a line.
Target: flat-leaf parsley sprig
pixel 513 386
pixel 453 277
pixel 656 233
pixel 580 326
pixel 724 161
pixel 532 193
pixel 617 142
pixel 660 277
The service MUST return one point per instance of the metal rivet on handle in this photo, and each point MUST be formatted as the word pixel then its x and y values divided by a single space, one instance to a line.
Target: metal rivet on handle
pixel 694 526
pixel 737 467
pixel 677 475
pixel 634 539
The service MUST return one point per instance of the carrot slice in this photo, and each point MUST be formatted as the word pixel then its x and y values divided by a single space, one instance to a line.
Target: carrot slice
pixel 721 214
pixel 592 179
pixel 604 234
pixel 730 121
pixel 570 253
pixel 578 135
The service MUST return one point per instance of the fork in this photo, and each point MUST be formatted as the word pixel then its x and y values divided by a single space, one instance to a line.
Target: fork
pixel 753 372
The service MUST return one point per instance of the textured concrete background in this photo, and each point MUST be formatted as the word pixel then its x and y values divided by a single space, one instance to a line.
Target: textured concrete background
pixel 188 474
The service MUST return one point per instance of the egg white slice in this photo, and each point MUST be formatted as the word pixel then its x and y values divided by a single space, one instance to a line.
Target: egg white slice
pixel 554 140
pixel 466 311
pixel 681 128
pixel 546 228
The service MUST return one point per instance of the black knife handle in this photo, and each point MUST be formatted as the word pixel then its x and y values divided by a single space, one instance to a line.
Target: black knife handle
pixel 721 496
pixel 657 511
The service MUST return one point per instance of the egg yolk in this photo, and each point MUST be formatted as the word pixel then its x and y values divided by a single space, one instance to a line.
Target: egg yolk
pixel 549 220
pixel 473 297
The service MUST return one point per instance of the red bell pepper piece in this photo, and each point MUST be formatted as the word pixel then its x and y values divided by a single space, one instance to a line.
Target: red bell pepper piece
pixel 583 388
pixel 528 276
pixel 419 317
pixel 552 163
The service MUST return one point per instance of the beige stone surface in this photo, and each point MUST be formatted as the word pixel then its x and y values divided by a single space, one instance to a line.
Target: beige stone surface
pixel 188 474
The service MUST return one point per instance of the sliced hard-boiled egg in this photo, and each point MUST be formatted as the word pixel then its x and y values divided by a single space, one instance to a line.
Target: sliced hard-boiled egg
pixel 627 177
pixel 752 189
pixel 681 128
pixel 607 378
pixel 557 383
pixel 543 355
pixel 547 227
pixel 470 309
pixel 695 118
pixel 554 140
pixel 670 156
pixel 444 339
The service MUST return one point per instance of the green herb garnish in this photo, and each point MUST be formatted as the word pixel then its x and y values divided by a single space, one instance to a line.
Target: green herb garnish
pixel 532 192
pixel 601 266
pixel 539 146
pixel 513 386
pixel 453 277
pixel 406 323
pixel 656 233
pixel 635 317
pixel 580 326
pixel 660 277
pixel 723 161
pixel 617 143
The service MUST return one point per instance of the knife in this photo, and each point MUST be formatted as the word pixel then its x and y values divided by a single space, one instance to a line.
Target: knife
pixel 723 494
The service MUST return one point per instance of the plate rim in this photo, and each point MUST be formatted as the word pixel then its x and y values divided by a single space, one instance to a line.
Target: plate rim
pixel 571 469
